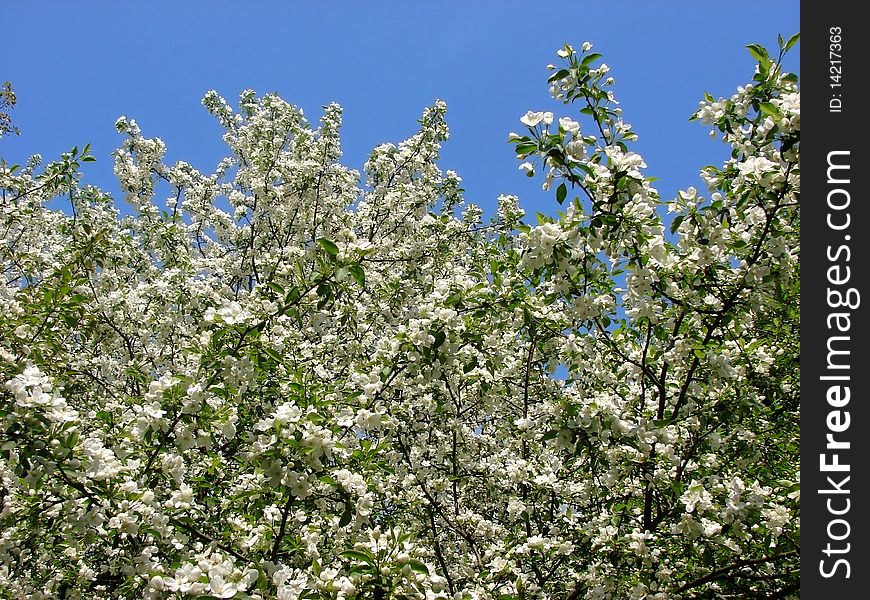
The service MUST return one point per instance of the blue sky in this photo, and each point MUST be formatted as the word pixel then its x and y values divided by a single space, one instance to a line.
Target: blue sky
pixel 76 67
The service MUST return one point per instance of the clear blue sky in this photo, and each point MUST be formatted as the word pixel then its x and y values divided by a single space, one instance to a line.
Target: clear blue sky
pixel 77 66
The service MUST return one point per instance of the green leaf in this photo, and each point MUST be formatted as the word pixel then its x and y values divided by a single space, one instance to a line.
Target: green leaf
pixel 453 299
pixel 560 74
pixel 699 353
pixel 361 569
pixel 552 434
pixel 346 516
pixel 324 292
pixel 561 193
pixel 758 52
pixel 585 168
pixel 589 58
pixel 329 246
pixel 440 336
pixel 418 566
pixel 358 274
pixel 768 108
pixel 356 555
pixel 470 365
pixel 792 41
pixel 557 154
pixel 88 159
pixel 274 355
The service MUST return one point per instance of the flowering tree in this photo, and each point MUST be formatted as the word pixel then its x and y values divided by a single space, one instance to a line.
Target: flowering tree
pixel 272 381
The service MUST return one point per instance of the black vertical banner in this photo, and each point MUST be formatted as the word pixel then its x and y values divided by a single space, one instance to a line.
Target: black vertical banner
pixel 835 301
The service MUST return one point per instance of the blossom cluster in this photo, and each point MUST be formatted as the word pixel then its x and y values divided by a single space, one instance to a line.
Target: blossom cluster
pixel 288 379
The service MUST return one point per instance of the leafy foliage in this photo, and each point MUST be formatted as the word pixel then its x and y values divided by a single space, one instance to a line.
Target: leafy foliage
pixel 7 102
